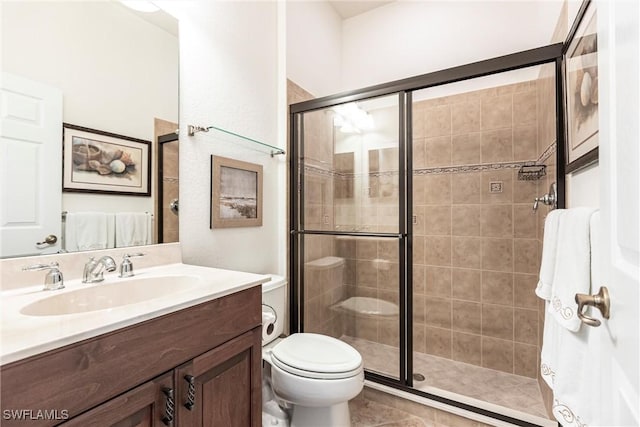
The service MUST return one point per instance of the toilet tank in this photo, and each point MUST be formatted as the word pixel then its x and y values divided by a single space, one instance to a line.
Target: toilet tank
pixel 273 301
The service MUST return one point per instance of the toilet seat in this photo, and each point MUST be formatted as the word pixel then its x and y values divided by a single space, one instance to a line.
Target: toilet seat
pixel 316 356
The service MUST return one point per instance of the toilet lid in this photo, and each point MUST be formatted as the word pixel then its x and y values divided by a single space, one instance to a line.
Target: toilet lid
pixel 317 356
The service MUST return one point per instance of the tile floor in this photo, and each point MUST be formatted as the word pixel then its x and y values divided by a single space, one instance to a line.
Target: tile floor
pixel 500 388
pixel 373 408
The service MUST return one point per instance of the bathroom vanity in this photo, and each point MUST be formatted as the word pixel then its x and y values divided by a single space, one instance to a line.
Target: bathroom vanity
pixel 184 365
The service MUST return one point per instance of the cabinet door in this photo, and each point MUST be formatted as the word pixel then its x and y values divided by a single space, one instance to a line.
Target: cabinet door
pixel 148 405
pixel 223 386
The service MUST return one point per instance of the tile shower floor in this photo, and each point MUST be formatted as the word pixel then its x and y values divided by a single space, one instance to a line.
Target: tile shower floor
pixel 500 388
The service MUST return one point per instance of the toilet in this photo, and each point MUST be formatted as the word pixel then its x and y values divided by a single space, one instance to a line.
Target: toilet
pixel 312 375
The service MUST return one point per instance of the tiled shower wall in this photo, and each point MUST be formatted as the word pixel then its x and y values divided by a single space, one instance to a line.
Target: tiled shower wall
pixel 476 248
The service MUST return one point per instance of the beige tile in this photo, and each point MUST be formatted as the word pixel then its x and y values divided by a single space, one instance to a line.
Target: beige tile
pixel 525 360
pixel 438 281
pixel 388 278
pixel 466 348
pixel 465 117
pixel 419 308
pixel 466 188
pixel 366 274
pixel 451 420
pixel 466 284
pixel 437 220
pixel 418 224
pixel 504 176
pixel 526 191
pixel 438 341
pixel 465 220
pixel 419 279
pixel 497 354
pixel 466 252
pixel 496 112
pixel 419 153
pixel 388 249
pixel 438 312
pixel 467 317
pixel 438 151
pixel 465 149
pixel 525 326
pixel 525 139
pixel 438 121
pixel 525 255
pixel 419 187
pixel 497 254
pixel 524 221
pixel 418 249
pixel 437 250
pixel 497 221
pixel 437 189
pixel 366 249
pixel 525 108
pixel 365 413
pixel 497 146
pixel 524 290
pixel 497 288
pixel 497 321
pixel 418 338
pixel 417 120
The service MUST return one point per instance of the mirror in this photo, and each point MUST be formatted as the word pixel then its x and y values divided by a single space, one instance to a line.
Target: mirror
pixel 117 70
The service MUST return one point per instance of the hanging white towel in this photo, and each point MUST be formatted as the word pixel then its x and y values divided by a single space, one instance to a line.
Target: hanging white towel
pixel 572 269
pixel 568 358
pixel 133 229
pixel 89 231
pixel 549 249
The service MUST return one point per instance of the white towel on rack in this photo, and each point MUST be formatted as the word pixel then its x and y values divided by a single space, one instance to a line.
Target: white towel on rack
pixel 568 358
pixel 89 231
pixel 572 269
pixel 549 249
pixel 133 229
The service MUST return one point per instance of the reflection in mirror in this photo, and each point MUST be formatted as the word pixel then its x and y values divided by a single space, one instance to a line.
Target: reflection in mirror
pixel 97 65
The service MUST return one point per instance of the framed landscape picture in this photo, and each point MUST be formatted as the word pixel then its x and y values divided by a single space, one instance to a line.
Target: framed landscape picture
pixel 236 193
pixel 101 162
pixel 581 79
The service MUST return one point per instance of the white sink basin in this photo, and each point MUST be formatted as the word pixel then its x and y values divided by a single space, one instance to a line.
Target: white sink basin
pixel 110 295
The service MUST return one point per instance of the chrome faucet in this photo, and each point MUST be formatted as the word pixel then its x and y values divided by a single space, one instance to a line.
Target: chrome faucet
pixel 53 280
pixel 93 269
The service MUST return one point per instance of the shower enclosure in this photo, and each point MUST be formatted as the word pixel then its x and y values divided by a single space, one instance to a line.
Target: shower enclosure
pixel 412 231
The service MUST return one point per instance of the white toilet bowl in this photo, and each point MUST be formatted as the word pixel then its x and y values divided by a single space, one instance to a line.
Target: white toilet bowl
pixel 317 375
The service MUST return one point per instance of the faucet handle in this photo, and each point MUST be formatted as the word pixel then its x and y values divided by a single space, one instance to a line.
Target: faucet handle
pixel 53 280
pixel 126 268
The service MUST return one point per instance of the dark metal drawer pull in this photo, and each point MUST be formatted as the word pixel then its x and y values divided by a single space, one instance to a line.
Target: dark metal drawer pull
pixel 191 392
pixel 169 406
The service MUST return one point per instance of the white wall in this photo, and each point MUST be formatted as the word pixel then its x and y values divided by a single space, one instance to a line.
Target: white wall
pixel 314 46
pixel 230 78
pixel 404 39
pixel 116 71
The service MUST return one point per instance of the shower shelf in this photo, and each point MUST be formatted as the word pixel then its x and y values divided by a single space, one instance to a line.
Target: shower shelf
pixel 236 138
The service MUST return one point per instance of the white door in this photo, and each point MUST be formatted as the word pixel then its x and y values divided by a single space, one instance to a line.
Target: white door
pixel 619 51
pixel 30 166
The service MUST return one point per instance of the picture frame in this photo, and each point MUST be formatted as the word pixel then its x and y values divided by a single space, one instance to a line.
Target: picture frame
pixel 581 90
pixel 94 161
pixel 236 193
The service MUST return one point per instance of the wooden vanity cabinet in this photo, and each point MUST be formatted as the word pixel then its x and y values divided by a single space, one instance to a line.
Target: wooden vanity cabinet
pixel 127 377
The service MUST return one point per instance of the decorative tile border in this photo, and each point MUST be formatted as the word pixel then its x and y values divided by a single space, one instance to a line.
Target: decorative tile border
pixel 480 167
pixel 171 180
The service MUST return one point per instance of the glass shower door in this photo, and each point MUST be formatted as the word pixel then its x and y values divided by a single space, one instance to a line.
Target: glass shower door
pixel 349 237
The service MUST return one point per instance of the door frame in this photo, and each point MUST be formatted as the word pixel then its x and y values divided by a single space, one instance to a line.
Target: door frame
pixel 549 54
pixel 162 139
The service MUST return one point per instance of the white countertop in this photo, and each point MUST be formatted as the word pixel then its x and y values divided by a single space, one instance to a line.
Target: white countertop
pixel 22 336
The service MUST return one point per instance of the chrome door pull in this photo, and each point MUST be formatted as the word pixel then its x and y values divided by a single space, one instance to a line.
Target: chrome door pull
pixel 600 301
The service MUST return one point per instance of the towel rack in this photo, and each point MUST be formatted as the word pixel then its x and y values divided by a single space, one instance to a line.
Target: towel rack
pixel 64 215
pixel 549 199
pixel 273 151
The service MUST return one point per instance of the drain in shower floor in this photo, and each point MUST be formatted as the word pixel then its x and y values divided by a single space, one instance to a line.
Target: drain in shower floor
pixel 418 377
